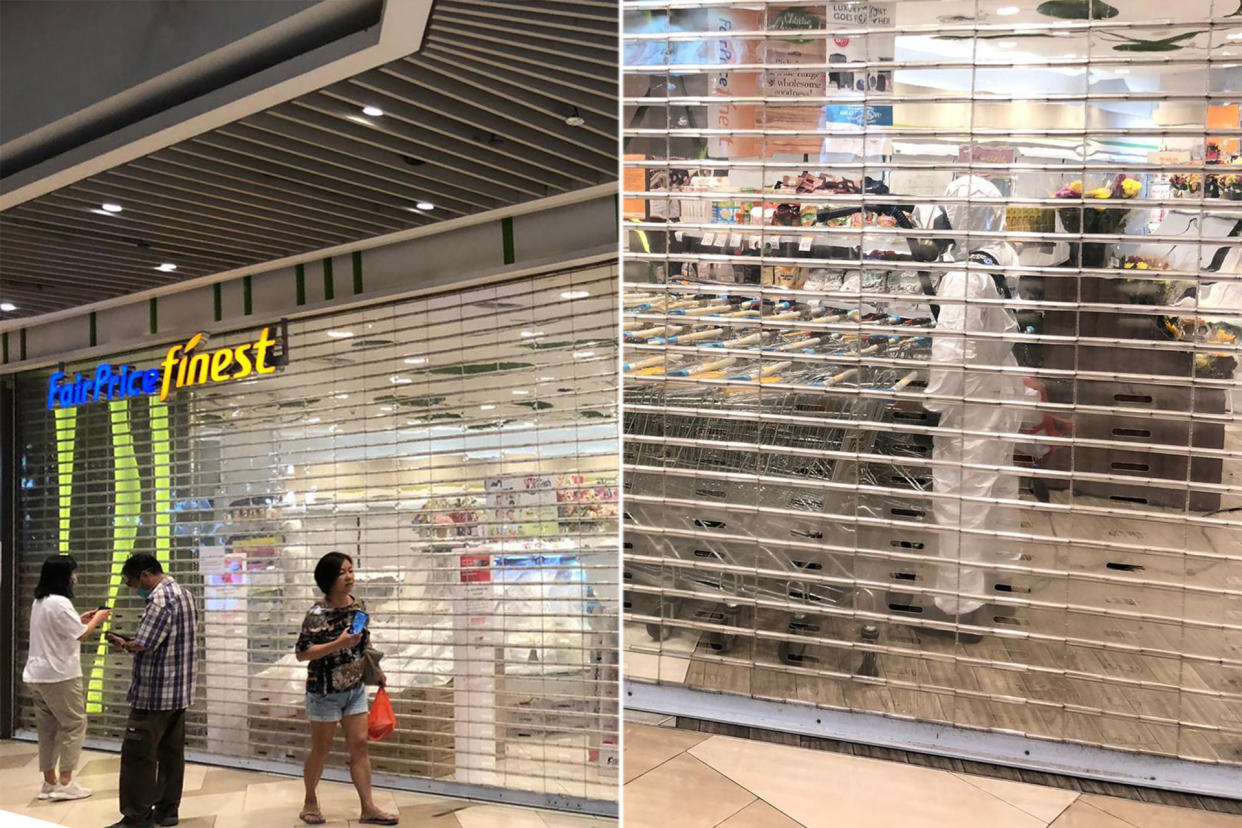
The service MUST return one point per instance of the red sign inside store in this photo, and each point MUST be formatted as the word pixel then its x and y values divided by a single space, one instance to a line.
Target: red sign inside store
pixel 476 569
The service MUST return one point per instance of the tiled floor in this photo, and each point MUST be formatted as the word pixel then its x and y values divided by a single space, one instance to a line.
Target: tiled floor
pixel 225 798
pixel 687 779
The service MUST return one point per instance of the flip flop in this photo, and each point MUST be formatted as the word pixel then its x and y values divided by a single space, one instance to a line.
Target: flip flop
pixel 379 819
pixel 312 817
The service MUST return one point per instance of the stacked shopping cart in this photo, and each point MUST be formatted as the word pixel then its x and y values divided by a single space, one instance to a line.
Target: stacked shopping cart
pixel 761 454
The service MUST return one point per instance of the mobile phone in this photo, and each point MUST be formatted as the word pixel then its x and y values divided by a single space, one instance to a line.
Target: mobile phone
pixel 118 640
pixel 359 622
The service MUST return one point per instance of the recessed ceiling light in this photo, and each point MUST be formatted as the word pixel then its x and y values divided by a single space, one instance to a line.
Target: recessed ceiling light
pixel 520 392
pixel 415 361
pixel 372 111
pixel 396 380
pixel 312 421
pixel 7 307
pixel 109 207
pixel 424 205
pixel 575 294
pixel 166 267
pixel 486 407
pixel 342 396
pixel 583 354
pixel 340 334
pixel 547 379
pixel 1008 10
pixel 1235 36
pixel 530 334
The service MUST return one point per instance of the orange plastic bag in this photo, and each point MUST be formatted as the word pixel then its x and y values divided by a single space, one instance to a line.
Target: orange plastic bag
pixel 382 721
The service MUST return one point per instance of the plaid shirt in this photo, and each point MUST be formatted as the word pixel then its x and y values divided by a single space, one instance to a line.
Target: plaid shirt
pixel 164 671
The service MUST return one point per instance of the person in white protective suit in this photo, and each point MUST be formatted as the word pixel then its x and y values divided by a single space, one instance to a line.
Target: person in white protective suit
pixel 974 471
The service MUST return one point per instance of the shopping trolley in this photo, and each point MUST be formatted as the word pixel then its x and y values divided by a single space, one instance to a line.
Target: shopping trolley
pixel 761 461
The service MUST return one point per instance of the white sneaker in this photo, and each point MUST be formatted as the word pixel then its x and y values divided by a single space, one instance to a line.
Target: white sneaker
pixel 71 791
pixel 48 787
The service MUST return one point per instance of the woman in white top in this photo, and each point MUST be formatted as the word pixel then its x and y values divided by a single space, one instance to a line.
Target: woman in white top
pixel 54 673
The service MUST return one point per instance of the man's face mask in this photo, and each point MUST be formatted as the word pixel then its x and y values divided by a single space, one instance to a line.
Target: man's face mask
pixel 144 594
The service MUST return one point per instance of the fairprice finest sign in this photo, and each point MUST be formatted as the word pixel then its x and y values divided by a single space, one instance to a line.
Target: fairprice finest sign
pixel 182 367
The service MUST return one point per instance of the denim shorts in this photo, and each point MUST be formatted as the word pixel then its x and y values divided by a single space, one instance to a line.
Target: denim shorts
pixel 332 707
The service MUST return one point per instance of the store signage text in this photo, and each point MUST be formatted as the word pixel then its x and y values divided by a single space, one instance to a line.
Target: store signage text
pixel 986 155
pixel 181 368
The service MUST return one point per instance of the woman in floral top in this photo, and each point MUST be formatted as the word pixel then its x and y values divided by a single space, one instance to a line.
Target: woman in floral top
pixel 334 689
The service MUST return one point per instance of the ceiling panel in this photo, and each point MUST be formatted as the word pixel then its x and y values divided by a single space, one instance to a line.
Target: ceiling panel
pixel 477 120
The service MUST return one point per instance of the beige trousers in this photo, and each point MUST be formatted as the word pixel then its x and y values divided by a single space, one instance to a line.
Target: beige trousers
pixel 60 715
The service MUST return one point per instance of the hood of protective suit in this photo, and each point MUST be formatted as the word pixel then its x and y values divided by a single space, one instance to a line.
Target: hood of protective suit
pixel 971 218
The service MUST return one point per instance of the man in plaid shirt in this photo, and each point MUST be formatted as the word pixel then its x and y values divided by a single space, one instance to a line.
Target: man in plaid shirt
pixel 153 753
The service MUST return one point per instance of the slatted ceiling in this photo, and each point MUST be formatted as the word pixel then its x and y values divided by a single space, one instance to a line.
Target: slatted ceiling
pixel 459 173
pixel 533 132
pixel 589 45
pixel 301 145
pixel 582 57
pixel 554 27
pixel 474 121
pixel 528 170
pixel 513 99
pixel 514 77
pixel 260 174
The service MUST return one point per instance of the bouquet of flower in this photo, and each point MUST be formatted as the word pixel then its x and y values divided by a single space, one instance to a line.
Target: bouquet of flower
pixel 1143 263
pixel 1098 219
pixel 1183 184
pixel 1231 186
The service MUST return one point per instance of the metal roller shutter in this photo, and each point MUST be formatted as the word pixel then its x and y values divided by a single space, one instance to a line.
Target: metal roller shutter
pixel 460 446
pixel 989 479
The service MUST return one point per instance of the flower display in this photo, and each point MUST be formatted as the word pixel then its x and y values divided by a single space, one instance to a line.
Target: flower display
pixel 1122 186
pixel 1182 183
pixel 1143 263
pixel 1231 186
pixel 1099 219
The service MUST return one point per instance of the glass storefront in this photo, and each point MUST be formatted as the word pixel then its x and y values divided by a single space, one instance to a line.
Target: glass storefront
pixel 461 447
pixel 931 316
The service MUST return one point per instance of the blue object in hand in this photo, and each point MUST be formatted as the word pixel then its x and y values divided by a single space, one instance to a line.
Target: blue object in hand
pixel 359 622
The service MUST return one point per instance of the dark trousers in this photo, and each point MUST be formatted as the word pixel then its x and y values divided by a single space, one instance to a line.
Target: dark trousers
pixel 152 764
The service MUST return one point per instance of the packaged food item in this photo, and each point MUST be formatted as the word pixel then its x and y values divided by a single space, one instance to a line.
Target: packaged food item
pixel 784 276
pixel 726 212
